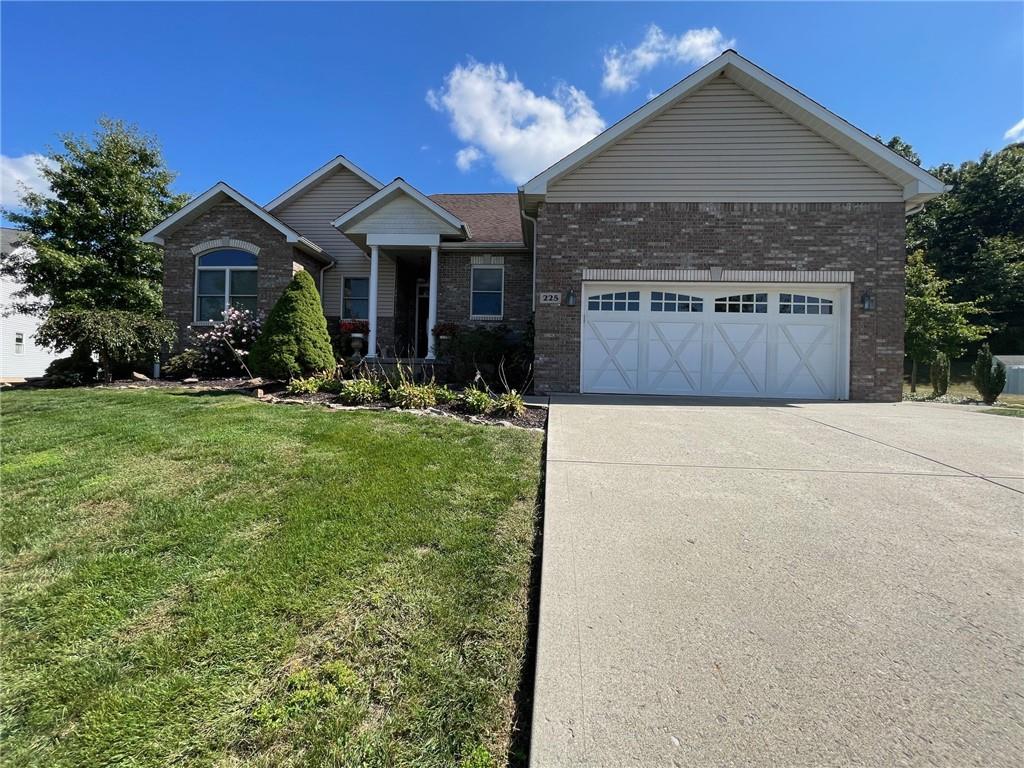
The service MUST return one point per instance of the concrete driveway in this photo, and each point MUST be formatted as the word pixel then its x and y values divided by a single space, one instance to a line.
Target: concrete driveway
pixel 771 584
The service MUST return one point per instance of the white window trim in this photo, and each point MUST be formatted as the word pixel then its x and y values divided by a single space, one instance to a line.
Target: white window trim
pixel 20 343
pixel 227 289
pixel 472 278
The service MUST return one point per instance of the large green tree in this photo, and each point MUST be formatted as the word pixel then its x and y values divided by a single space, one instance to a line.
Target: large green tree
pixel 105 191
pixel 974 238
pixel 934 321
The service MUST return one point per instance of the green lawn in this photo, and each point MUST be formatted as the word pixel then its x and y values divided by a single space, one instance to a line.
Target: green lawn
pixel 962 388
pixel 203 579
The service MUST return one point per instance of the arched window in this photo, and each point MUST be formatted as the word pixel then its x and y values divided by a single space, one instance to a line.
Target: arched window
pixel 224 279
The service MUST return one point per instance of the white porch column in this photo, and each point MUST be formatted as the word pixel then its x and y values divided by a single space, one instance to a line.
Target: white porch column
pixel 374 269
pixel 432 306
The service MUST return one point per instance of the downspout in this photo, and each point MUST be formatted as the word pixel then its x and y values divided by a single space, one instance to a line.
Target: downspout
pixel 323 269
pixel 532 220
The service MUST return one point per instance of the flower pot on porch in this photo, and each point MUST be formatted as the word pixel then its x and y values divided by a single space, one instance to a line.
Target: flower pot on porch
pixel 357 345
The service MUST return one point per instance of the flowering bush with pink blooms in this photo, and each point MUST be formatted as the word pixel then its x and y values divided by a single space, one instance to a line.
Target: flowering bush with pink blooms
pixel 224 347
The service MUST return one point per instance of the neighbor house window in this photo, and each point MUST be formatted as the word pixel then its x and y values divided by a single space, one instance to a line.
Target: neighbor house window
pixel 487 286
pixel 355 299
pixel 224 279
pixel 19 343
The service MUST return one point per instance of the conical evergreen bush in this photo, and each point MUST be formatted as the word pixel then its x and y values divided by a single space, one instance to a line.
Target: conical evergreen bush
pixel 294 341
pixel 989 375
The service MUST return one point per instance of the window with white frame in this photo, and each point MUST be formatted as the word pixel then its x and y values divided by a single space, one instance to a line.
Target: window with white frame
pixel 19 343
pixel 355 298
pixel 487 288
pixel 224 279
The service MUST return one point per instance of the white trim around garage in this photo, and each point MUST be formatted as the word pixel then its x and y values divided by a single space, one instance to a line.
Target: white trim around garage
pixel 720 275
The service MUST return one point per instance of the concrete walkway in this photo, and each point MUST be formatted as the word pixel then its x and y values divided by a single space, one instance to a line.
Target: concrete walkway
pixel 771 584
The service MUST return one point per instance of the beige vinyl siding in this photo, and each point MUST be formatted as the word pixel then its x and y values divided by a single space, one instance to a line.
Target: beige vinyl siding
pixel 402 215
pixel 723 144
pixel 385 286
pixel 311 215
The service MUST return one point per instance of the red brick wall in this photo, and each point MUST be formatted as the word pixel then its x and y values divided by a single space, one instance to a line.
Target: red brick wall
pixel 275 262
pixel 453 289
pixel 867 238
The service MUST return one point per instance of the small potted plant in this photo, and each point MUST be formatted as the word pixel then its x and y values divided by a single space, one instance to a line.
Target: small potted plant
pixel 356 330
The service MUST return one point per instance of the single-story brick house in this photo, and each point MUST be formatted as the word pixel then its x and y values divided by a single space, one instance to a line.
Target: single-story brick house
pixel 731 237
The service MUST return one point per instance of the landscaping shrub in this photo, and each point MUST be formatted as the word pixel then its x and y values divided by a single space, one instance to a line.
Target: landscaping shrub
pixel 294 341
pixel 74 371
pixel 474 401
pixel 184 364
pixel 307 386
pixel 940 374
pixel 989 375
pixel 409 395
pixel 482 350
pixel 509 404
pixel 443 395
pixel 360 391
pixel 224 348
pixel 115 336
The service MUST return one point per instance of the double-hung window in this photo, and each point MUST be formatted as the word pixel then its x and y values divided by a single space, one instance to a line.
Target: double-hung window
pixel 355 299
pixel 224 279
pixel 487 289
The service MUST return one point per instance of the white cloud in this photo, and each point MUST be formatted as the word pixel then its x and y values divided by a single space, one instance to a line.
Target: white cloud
pixel 1016 133
pixel 467 157
pixel 17 173
pixel 623 67
pixel 521 132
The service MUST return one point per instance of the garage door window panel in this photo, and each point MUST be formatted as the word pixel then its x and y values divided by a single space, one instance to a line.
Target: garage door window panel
pixel 666 301
pixel 744 303
pixel 620 301
pixel 801 304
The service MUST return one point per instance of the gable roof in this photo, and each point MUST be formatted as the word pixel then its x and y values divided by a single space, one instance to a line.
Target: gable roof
pixel 216 194
pixel 381 197
pixel 492 217
pixel 327 168
pixel 917 184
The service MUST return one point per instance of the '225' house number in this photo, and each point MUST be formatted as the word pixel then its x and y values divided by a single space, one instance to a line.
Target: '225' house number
pixel 550 297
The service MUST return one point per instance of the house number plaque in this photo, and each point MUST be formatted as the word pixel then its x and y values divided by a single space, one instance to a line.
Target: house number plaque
pixel 551 297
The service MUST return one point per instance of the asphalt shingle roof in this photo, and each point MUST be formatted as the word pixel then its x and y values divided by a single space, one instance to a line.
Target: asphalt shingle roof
pixel 491 217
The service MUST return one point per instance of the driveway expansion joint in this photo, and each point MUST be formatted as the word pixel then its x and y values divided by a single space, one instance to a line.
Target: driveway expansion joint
pixel 900 448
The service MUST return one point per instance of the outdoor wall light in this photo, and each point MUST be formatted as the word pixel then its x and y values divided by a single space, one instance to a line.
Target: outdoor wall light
pixel 867 301
pixel 570 298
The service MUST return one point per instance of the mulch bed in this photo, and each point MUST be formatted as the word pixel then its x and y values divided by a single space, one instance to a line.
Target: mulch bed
pixel 535 416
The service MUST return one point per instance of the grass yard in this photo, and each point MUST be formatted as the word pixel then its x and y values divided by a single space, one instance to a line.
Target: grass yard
pixel 203 579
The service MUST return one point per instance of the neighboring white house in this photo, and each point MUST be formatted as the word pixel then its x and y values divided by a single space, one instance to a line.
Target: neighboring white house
pixel 20 357
pixel 1014 373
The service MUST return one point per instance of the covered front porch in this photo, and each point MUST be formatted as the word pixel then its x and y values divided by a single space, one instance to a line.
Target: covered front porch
pixel 402 225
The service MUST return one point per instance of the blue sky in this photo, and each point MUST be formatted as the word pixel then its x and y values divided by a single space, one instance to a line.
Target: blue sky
pixel 471 97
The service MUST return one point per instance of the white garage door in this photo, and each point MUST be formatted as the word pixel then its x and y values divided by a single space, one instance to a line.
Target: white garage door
pixel 734 341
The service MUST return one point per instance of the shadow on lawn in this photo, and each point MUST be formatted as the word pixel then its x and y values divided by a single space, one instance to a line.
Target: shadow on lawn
pixel 522 716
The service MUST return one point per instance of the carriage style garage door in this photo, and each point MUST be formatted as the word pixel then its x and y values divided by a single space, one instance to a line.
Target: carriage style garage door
pixel 725 340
